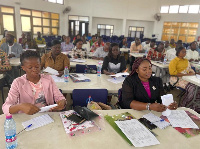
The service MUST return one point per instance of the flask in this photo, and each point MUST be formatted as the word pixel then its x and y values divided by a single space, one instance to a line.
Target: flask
pixel 66 74
pixel 10 132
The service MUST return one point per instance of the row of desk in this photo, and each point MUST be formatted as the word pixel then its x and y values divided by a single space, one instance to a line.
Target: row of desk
pixel 53 136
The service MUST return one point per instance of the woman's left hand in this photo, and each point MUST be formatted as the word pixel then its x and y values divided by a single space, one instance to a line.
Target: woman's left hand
pixel 61 105
pixel 173 106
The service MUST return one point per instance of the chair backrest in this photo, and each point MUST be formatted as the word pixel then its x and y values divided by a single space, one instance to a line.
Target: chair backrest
pixel 81 68
pixel 80 96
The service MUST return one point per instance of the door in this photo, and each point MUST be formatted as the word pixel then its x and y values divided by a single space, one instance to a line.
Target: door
pixel 83 28
pixel 72 28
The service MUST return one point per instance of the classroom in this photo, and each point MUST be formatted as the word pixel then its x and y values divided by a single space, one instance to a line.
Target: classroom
pixel 99 74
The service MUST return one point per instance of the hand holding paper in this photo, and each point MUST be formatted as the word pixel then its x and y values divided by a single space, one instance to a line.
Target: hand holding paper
pixel 47 108
pixel 51 71
pixel 167 100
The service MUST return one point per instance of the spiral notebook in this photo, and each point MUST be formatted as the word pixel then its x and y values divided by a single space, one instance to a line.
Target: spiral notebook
pixel 38 122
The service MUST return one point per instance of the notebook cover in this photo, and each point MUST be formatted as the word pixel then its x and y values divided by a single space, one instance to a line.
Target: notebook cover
pixel 124 116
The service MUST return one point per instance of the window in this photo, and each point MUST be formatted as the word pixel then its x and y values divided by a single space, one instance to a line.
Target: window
pixel 179 31
pixel 103 29
pixel 135 31
pixel 193 9
pixel 55 1
pixel 8 21
pixel 37 21
pixel 78 25
pixel 183 9
pixel 164 9
pixel 173 9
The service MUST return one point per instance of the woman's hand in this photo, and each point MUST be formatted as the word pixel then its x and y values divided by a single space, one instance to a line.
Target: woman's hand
pixel 60 73
pixel 61 105
pixel 157 107
pixel 173 106
pixel 29 108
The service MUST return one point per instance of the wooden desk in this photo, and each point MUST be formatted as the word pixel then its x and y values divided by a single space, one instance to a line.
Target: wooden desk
pixel 160 65
pixel 194 80
pixel 96 83
pixel 53 136
pixel 126 50
pixel 88 62
pixel 15 62
pixel 137 54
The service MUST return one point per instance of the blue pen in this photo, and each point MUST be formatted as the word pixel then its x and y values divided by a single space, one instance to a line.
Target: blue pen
pixel 159 121
pixel 24 129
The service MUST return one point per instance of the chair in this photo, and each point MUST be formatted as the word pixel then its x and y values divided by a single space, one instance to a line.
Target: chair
pixel 80 96
pixel 3 83
pixel 81 68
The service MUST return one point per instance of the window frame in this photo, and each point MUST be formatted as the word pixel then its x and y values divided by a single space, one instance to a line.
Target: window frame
pixel 167 10
pixel 55 2
pixel 129 31
pixel 111 34
pixel 1 20
pixel 42 26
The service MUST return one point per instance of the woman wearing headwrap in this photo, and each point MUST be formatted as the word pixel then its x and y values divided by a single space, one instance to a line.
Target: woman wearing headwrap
pixel 142 91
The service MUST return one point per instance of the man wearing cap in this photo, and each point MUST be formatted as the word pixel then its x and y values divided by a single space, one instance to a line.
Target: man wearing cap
pixel 55 59
pixel 12 49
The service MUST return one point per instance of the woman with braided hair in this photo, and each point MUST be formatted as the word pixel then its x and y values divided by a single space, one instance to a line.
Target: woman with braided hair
pixel 142 91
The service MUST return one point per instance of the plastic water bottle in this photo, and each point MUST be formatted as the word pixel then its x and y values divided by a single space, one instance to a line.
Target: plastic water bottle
pixel 10 132
pixel 66 74
pixel 26 46
pixel 99 70
pixel 165 61
pixel 89 99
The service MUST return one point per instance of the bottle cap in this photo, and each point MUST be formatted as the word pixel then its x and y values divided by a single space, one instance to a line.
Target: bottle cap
pixel 66 67
pixel 8 116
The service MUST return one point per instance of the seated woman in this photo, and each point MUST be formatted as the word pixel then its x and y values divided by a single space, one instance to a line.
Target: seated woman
pixel 113 63
pixel 179 67
pixel 55 59
pixel 33 90
pixel 142 91
pixel 78 51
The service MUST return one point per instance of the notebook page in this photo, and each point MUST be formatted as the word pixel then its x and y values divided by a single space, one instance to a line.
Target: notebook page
pixel 137 133
pixel 179 118
pixel 38 122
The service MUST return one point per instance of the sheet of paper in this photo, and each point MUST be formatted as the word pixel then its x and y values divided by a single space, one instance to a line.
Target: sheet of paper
pixel 120 74
pixel 47 108
pixel 156 120
pixel 38 122
pixel 51 71
pixel 116 80
pixel 179 118
pixel 137 133
pixel 58 79
pixel 167 100
pixel 78 60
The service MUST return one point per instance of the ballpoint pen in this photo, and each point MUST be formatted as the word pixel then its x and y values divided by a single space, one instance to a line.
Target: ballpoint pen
pixel 24 129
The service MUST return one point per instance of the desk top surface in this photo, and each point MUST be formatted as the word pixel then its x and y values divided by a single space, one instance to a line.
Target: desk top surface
pixel 53 135
pixel 192 79
pixel 137 54
pixel 96 83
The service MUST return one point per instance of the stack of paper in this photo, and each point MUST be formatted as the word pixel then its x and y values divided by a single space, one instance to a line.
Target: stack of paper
pixel 167 100
pixel 116 80
pixel 137 133
pixel 38 122
pixel 78 60
pixel 179 118
pixel 162 124
pixel 120 74
pixel 51 71
pixel 47 108
pixel 79 78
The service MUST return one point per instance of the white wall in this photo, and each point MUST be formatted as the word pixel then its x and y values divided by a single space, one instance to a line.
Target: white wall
pixel 148 26
pixel 120 13
pixel 116 22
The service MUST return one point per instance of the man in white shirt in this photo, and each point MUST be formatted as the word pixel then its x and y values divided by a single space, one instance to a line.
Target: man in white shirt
pixel 101 52
pixel 147 42
pixel 171 53
pixel 167 47
pixel 192 54
pixel 152 45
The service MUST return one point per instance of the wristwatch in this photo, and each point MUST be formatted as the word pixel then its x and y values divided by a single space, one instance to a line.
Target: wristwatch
pixel 148 106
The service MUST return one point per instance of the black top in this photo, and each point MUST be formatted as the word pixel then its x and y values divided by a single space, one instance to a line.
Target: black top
pixel 133 89
pixel 114 65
